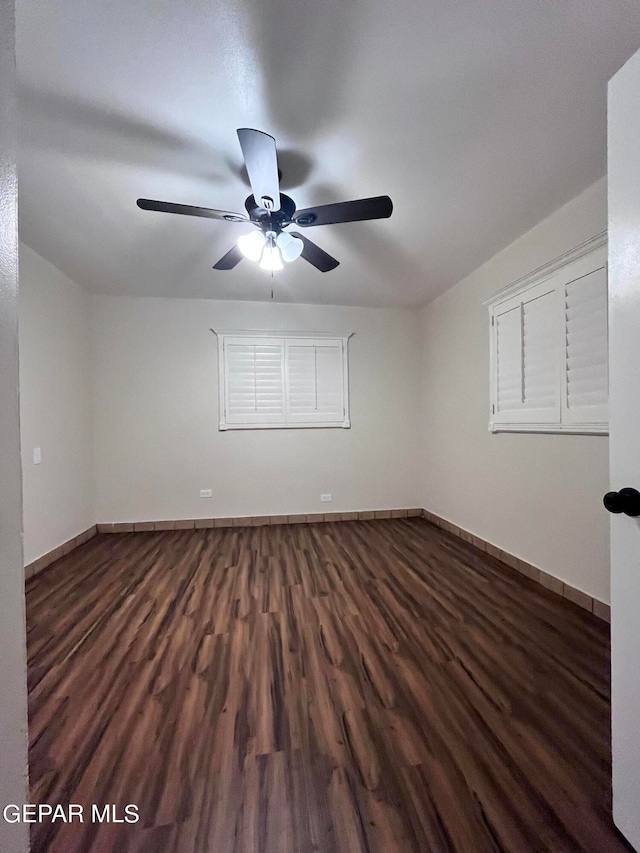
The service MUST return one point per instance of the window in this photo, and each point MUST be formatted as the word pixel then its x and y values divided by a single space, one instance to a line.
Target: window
pixel 549 347
pixel 271 380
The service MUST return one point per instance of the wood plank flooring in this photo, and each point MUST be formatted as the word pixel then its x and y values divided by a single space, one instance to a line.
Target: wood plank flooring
pixel 338 688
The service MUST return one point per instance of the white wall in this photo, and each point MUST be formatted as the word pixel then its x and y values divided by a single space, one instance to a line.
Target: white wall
pixel 13 654
pixel 536 496
pixel 157 442
pixel 56 405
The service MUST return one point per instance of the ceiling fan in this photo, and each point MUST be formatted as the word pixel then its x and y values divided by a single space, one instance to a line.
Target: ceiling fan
pixel 272 212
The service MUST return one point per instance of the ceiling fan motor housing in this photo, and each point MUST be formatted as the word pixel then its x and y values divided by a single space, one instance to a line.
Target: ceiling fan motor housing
pixel 271 220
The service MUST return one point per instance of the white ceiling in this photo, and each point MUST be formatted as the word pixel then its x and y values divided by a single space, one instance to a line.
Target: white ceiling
pixel 478 118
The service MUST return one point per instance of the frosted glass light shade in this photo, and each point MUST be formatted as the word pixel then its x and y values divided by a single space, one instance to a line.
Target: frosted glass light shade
pixel 290 247
pixel 251 245
pixel 271 259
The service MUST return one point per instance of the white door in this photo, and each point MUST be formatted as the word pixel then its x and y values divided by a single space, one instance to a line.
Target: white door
pixel 624 319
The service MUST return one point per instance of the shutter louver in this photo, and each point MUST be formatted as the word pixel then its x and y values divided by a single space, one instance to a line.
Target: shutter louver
pixel 302 379
pixel 586 347
pixel 540 372
pixel 527 362
pixel 509 359
pixel 330 396
pixel 315 382
pixel 254 382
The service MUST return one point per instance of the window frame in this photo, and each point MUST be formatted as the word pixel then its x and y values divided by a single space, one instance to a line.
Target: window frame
pixel 255 337
pixel 578 263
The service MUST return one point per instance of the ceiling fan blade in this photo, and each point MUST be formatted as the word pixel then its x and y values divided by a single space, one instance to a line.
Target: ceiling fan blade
pixel 378 207
pixel 315 255
pixel 189 210
pixel 229 261
pixel 261 160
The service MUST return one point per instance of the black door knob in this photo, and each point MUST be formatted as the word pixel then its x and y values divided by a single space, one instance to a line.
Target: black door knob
pixel 626 501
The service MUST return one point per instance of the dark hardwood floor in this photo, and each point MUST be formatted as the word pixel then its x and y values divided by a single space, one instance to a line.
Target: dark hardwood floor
pixel 355 686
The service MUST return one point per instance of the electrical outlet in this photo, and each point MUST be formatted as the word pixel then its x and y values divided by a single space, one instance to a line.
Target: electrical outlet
pixel 206 493
pixel 326 499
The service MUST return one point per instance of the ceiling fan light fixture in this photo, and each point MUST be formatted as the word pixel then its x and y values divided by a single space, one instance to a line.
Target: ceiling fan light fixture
pixel 290 247
pixel 252 245
pixel 271 258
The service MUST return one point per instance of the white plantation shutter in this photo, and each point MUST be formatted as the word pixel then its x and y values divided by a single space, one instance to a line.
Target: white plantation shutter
pixel 586 381
pixel 329 381
pixel 254 381
pixel 540 354
pixel 508 327
pixel 282 381
pixel 549 346
pixel 314 381
pixel 526 359
pixel 301 379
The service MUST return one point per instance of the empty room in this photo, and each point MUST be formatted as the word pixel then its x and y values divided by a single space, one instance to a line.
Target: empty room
pixel 320 496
